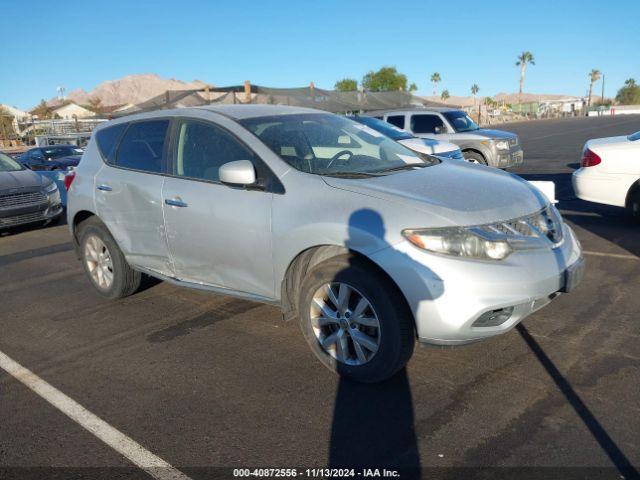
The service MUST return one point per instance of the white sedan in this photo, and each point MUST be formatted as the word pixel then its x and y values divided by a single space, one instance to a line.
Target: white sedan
pixel 610 172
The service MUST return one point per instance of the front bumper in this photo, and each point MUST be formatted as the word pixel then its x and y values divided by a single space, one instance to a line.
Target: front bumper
pixel 447 295
pixel 509 158
pixel 48 209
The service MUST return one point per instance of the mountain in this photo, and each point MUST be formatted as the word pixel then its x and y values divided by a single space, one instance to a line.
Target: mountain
pixel 132 89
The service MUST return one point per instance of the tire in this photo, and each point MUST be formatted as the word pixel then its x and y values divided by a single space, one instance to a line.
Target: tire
pixel 633 204
pixel 474 157
pixel 123 281
pixel 393 339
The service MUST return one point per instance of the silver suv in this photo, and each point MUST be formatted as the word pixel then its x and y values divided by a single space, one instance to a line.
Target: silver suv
pixel 369 244
pixel 495 148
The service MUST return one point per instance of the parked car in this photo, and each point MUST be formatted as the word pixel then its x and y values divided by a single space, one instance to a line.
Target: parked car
pixel 495 148
pixel 420 145
pixel 53 157
pixel 367 243
pixel 25 196
pixel 610 172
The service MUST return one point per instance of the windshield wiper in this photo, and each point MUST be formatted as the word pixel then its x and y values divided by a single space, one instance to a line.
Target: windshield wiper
pixel 351 174
pixel 407 166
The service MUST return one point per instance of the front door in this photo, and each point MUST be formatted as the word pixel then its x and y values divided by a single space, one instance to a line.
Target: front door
pixel 218 235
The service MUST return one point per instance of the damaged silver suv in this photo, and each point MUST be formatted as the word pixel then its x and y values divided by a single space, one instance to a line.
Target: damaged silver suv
pixel 368 244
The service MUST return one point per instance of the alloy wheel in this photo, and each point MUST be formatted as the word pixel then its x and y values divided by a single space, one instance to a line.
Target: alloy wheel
pixel 345 323
pixel 99 262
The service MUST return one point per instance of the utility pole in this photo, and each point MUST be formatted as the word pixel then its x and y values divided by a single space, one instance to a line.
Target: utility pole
pixel 603 88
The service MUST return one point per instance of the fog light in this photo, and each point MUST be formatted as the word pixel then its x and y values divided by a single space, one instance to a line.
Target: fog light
pixel 493 318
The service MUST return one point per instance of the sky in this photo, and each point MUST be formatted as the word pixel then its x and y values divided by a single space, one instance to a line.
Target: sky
pixel 289 43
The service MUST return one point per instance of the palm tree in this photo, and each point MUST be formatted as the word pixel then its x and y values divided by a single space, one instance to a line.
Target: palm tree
pixel 524 59
pixel 445 95
pixel 594 76
pixel 474 90
pixel 435 79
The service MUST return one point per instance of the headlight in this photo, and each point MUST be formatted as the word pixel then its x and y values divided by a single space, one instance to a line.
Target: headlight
pixel 502 145
pixel 458 242
pixel 49 189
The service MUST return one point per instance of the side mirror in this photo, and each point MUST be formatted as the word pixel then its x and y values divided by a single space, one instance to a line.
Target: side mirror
pixel 239 172
pixel 440 129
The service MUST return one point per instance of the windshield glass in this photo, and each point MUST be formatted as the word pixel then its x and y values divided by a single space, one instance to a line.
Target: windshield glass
pixel 460 121
pixel 385 128
pixel 326 144
pixel 634 136
pixel 8 164
pixel 57 152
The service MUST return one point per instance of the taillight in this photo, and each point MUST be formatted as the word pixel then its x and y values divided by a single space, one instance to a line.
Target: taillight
pixel 68 179
pixel 589 158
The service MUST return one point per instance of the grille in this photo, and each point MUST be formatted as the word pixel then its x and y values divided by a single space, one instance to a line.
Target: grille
pixel 21 219
pixel 545 223
pixel 22 199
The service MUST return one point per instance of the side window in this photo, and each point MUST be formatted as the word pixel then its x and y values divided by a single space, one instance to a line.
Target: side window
pixel 425 123
pixel 142 146
pixel 397 120
pixel 36 155
pixel 203 148
pixel 107 140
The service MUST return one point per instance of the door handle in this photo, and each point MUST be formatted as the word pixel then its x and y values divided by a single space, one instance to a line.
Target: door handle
pixel 104 188
pixel 175 202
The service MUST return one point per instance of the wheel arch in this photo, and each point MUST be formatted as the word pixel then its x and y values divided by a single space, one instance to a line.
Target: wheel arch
pixel 308 259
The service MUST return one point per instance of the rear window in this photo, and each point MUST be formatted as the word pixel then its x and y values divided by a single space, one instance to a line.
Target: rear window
pixel 107 140
pixel 634 136
pixel 142 146
pixel 397 120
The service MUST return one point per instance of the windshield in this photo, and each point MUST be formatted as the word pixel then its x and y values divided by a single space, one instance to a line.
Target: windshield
pixel 460 121
pixel 8 164
pixel 634 136
pixel 57 152
pixel 326 144
pixel 385 128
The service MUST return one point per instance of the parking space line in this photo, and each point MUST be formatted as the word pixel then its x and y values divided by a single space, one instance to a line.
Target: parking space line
pixel 611 255
pixel 130 449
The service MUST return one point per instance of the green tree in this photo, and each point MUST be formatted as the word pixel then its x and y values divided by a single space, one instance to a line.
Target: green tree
pixel 474 91
pixel 594 76
pixel 445 95
pixel 629 94
pixel 435 79
pixel 43 111
pixel 346 85
pixel 524 59
pixel 6 124
pixel 413 87
pixel 385 79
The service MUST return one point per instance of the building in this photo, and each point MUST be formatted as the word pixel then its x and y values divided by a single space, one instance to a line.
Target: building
pixel 72 110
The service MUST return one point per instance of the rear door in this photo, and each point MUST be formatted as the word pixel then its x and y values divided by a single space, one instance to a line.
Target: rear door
pixel 129 190
pixel 218 235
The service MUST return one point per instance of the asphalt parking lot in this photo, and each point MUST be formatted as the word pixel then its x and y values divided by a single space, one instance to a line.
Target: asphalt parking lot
pixel 206 381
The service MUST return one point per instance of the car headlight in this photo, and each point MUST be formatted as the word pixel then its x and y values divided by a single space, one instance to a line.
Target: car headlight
pixel 458 242
pixel 502 145
pixel 50 188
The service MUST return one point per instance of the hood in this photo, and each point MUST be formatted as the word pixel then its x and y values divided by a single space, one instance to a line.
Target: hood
pixel 489 133
pixel 20 179
pixel 428 145
pixel 452 193
pixel 70 161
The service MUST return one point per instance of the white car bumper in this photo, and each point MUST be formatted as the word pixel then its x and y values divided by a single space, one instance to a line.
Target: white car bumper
pixel 448 295
pixel 594 186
